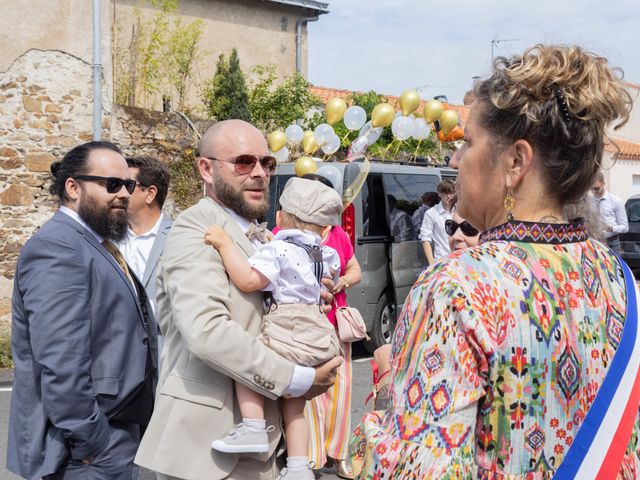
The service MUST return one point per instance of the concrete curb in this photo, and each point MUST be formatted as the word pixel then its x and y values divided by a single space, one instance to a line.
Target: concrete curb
pixel 6 377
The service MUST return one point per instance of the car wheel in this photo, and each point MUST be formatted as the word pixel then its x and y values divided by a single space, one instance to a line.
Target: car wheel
pixel 384 322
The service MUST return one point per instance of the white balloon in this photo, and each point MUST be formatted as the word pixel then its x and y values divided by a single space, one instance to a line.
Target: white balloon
pixel 294 134
pixel 354 117
pixel 281 155
pixel 402 128
pixel 323 133
pixel 332 145
pixel 370 133
pixel 359 145
pixel 331 173
pixel 420 129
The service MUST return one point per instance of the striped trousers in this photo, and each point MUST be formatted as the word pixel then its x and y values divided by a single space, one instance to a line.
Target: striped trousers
pixel 329 417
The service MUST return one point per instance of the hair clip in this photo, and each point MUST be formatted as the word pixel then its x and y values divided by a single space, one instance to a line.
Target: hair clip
pixel 562 104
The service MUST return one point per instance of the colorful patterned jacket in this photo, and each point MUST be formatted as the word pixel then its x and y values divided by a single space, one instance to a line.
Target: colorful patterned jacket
pixel 497 356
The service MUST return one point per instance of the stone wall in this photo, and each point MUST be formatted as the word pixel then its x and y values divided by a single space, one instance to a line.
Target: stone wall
pixel 45 110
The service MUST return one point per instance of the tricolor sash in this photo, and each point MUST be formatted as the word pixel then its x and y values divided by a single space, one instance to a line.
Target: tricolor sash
pixel 600 444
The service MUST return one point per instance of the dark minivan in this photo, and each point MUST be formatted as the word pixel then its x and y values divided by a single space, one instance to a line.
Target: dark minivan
pixel 630 241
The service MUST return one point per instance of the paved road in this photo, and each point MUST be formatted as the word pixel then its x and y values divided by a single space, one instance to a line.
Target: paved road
pixel 361 388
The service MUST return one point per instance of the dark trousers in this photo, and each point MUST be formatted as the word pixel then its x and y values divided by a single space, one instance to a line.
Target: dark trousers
pixel 114 463
pixel 614 243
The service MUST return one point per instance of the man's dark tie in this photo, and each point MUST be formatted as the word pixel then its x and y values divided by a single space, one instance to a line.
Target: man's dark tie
pixel 117 255
pixel 258 232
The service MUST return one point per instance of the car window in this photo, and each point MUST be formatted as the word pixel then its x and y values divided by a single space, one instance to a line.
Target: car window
pixel 404 193
pixel 276 185
pixel 374 219
pixel 633 210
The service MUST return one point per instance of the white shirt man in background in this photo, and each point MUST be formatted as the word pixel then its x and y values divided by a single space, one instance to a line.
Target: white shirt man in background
pixel 432 229
pixel 148 226
pixel 611 213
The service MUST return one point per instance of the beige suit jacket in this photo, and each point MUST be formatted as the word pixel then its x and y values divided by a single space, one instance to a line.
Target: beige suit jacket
pixel 210 330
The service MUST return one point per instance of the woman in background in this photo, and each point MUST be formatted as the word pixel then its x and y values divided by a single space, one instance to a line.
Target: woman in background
pixel 329 414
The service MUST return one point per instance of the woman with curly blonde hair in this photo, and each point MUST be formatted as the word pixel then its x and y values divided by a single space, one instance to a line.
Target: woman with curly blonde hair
pixel 517 358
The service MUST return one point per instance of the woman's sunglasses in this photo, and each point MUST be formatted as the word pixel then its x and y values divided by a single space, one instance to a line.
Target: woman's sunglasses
pixel 244 164
pixel 468 230
pixel 112 184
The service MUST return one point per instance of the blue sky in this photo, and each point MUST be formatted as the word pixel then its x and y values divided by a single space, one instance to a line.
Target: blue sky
pixel 394 45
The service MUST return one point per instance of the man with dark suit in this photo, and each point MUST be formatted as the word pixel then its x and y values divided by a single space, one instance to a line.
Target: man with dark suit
pixel 83 335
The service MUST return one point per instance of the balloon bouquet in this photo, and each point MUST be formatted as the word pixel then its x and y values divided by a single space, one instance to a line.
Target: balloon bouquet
pixel 404 125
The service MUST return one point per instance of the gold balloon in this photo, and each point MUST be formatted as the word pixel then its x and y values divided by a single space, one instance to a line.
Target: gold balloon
pixel 432 111
pixel 276 140
pixel 382 115
pixel 409 101
pixel 305 165
pixel 309 144
pixel 335 109
pixel 448 121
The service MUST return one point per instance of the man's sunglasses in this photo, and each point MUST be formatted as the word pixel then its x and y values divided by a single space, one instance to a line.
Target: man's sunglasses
pixel 244 164
pixel 468 230
pixel 112 184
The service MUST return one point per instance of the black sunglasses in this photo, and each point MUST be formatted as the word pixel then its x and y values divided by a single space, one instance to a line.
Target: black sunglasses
pixel 468 230
pixel 244 164
pixel 112 184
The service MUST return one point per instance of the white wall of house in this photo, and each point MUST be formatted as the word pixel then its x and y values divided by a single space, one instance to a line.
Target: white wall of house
pixel 622 177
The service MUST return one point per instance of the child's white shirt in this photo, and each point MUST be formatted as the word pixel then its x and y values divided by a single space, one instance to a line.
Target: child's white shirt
pixel 290 269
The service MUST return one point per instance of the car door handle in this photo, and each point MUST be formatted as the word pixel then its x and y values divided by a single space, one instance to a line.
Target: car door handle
pixel 374 239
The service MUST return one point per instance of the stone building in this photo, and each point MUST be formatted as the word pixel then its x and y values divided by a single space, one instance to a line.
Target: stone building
pixel 46 93
pixel 263 32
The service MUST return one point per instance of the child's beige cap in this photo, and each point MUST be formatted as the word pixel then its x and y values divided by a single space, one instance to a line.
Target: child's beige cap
pixel 311 201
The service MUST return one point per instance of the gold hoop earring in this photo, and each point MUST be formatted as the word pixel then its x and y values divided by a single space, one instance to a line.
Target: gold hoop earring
pixel 509 203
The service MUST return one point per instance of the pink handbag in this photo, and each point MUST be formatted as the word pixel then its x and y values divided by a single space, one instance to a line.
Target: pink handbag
pixel 351 326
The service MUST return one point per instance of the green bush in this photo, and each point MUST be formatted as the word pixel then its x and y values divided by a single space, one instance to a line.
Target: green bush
pixel 186 183
pixel 6 360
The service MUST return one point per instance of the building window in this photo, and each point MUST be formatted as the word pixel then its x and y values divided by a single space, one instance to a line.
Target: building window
pixel 635 181
pixel 284 23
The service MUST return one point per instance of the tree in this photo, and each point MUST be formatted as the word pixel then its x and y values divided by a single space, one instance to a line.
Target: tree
pixel 225 96
pixel 183 56
pixel 277 106
pixel 160 59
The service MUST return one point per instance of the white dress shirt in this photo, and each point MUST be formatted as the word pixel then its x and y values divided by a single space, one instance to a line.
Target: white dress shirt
pixel 302 377
pixel 432 229
pixel 289 268
pixel 612 214
pixel 137 248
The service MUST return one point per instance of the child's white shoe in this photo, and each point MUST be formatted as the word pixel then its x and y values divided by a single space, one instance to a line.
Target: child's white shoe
pixel 297 474
pixel 244 439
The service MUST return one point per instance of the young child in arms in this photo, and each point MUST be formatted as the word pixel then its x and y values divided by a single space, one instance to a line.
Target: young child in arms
pixel 290 268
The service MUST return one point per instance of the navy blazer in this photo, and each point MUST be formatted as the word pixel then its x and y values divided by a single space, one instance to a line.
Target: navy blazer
pixel 79 348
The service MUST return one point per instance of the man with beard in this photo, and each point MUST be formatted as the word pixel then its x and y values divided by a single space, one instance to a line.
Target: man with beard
pixel 210 326
pixel 83 337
